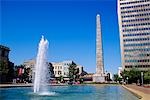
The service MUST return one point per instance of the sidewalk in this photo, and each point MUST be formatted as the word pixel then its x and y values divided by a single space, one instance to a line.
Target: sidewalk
pixel 26 85
pixel 139 90
pixel 16 85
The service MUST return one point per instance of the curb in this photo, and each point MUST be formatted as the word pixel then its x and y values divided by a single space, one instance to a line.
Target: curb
pixel 137 95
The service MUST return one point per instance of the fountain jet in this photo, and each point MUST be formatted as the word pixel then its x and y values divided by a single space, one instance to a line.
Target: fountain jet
pixel 42 75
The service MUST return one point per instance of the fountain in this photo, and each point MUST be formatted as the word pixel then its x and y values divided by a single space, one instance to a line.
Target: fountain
pixel 41 89
pixel 42 75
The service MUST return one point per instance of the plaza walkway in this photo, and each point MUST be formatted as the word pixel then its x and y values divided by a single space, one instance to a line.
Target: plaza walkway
pixel 25 85
pixel 16 85
pixel 141 92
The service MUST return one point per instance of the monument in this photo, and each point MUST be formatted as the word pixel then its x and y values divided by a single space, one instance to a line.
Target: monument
pixel 99 75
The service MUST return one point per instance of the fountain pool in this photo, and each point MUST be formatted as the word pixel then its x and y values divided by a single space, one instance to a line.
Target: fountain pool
pixel 76 92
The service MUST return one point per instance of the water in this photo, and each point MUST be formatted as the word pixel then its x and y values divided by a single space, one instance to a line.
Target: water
pixel 80 92
pixel 41 68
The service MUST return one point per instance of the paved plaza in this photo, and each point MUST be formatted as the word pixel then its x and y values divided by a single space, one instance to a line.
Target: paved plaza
pixel 141 92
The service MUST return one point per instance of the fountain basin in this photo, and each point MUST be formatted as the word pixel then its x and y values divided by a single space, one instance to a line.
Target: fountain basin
pixel 80 92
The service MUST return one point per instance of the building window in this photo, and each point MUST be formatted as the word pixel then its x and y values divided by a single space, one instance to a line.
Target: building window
pixel 131 11
pixel 135 15
pixel 136 6
pixel 130 25
pixel 138 66
pixel 135 20
pixel 136 39
pixel 140 44
pixel 138 34
pixel 133 2
pixel 59 72
pixel 138 50
pixel 143 60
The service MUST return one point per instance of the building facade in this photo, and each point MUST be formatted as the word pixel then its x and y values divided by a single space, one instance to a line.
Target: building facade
pixel 57 69
pixel 134 27
pixel 30 65
pixel 62 68
pixel 119 71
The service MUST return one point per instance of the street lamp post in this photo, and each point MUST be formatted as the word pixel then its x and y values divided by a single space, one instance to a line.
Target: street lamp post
pixel 142 78
pixel 127 80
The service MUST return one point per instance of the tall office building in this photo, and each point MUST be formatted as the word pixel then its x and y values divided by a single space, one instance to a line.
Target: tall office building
pixel 134 27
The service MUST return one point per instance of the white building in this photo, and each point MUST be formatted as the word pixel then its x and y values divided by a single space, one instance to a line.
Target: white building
pixel 61 68
pixel 111 75
pixel 119 71
pixel 134 27
pixel 31 65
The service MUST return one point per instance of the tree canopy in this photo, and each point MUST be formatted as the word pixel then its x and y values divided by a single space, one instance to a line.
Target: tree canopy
pixel 73 72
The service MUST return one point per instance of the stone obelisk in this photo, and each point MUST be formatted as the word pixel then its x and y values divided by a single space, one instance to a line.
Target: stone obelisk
pixel 99 75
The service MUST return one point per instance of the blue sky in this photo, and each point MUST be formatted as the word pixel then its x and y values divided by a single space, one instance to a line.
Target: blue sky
pixel 68 25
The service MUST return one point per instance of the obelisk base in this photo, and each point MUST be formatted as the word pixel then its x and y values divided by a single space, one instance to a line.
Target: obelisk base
pixel 98 78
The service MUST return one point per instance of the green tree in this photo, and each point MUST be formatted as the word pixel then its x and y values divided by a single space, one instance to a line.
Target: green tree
pixel 25 75
pixel 6 71
pixel 117 78
pixel 61 78
pixel 73 72
pixel 3 68
pixel 147 77
pixel 133 75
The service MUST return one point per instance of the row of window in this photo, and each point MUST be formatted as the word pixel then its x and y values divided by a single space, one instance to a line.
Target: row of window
pixel 135 6
pixel 140 50
pixel 137 66
pixel 139 34
pixel 136 15
pixel 140 24
pixel 58 67
pixel 144 55
pixel 134 2
pixel 132 11
pixel 133 20
pixel 141 44
pixel 67 64
pixel 58 72
pixel 139 55
pixel 143 60
pixel 136 29
pixel 136 39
